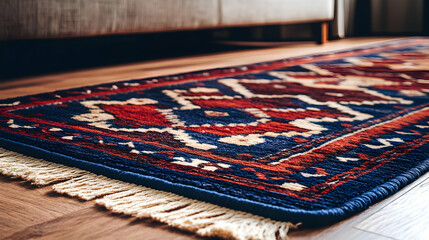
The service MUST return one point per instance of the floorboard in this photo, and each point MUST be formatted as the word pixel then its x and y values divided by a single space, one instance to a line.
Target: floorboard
pixel 23 205
pixel 405 218
pixel 366 224
pixel 96 223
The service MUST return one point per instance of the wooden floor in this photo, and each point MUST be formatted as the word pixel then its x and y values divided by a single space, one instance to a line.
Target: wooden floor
pixel 27 212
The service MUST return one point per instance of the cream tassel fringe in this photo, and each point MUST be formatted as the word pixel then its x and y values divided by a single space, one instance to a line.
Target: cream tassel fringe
pixel 204 219
pixel 36 171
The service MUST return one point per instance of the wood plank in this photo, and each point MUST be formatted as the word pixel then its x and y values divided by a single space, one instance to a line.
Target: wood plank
pixel 336 233
pixel 23 205
pixel 347 229
pixel 97 223
pixel 405 218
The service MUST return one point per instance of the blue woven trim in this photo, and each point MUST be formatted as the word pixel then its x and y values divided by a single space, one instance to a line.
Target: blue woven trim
pixel 309 218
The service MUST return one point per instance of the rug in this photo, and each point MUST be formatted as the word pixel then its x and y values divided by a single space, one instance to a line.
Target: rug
pixel 234 152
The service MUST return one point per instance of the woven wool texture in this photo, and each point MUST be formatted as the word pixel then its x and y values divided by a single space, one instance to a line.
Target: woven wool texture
pixel 312 139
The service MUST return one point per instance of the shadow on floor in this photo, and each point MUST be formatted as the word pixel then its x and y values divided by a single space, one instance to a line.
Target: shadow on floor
pixel 24 58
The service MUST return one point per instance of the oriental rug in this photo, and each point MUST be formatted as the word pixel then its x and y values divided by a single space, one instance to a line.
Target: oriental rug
pixel 309 140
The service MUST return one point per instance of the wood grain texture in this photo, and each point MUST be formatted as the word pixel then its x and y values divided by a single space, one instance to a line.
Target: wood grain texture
pixel 37 213
pixel 97 223
pixel 23 205
pixel 350 229
pixel 404 218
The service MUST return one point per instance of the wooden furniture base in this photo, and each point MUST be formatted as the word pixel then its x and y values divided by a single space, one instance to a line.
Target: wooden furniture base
pixel 321 32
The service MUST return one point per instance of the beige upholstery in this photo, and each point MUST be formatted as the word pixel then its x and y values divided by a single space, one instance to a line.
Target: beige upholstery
pixel 56 18
pixel 25 19
pixel 235 12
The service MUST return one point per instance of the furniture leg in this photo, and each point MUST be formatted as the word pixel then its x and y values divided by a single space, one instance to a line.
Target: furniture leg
pixel 322 33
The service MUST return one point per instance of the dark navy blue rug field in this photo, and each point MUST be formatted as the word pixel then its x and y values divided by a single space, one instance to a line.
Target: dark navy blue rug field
pixel 313 139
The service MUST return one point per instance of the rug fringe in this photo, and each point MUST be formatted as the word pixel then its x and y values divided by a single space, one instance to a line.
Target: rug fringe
pixel 90 186
pixel 36 171
pixel 204 219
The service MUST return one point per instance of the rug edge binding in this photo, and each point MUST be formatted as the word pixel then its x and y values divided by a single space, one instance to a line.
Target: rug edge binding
pixel 202 218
